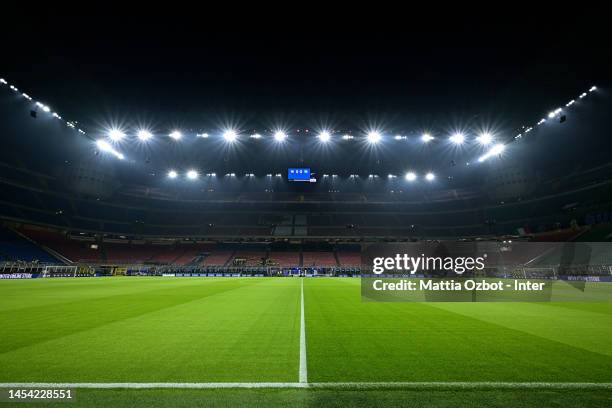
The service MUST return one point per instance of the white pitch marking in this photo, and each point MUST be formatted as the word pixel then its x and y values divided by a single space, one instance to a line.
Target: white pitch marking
pixel 303 368
pixel 344 385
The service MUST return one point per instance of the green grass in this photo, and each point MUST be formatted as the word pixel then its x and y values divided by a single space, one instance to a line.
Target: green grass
pixel 247 330
pixel 270 398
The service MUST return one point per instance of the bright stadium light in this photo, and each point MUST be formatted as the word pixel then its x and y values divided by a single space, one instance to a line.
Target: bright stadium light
pixel 582 95
pixel 144 135
pixel 230 135
pixel 430 176
pixel 485 139
pixel 176 135
pixel 457 138
pixel 280 136
pixel 347 137
pixel 411 176
pixel 593 88
pixel 192 174
pixel 104 146
pixel 324 136
pixel 115 135
pixel 495 151
pixel 255 136
pixel 46 108
pixel 172 174
pixel 426 138
pixel 202 135
pixel 374 137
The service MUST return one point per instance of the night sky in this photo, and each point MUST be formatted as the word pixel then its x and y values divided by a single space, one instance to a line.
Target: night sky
pixel 416 69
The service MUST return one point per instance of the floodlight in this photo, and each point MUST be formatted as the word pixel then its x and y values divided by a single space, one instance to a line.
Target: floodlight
pixel 104 146
pixel 457 138
pixel 144 135
pixel 374 137
pixel 497 149
pixel 570 103
pixel 230 135
pixel 324 136
pixel 192 174
pixel 256 136
pixel 430 176
pixel 3 81
pixel 115 134
pixel 426 138
pixel 347 137
pixel 202 135
pixel 280 136
pixel 485 139
pixel 582 95
pixel 411 176
pixel 176 135
pixel 593 88
pixel 172 174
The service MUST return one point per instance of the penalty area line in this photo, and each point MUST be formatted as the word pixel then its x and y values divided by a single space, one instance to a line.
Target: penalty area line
pixel 329 385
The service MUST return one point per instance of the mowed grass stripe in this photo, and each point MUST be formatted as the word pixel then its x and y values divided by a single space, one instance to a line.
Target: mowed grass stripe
pixel 422 385
pixel 585 329
pixel 29 325
pixel 249 333
pixel 354 341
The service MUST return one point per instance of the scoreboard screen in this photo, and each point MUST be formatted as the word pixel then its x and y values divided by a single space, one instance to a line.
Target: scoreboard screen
pixel 298 173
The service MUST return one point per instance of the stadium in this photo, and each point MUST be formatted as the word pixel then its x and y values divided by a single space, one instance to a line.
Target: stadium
pixel 179 256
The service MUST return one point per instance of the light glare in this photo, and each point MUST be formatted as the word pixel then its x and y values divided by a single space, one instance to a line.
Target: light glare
pixel 230 135
pixel 426 138
pixel 457 138
pixel 115 134
pixel 324 136
pixel 485 139
pixel 144 135
pixel 374 137
pixel 280 136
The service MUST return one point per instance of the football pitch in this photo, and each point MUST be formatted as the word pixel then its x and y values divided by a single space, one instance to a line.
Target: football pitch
pixel 305 341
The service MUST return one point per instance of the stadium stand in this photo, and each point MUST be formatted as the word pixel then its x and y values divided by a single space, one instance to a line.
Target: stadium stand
pixel 319 259
pixel 14 247
pixel 349 258
pixel 217 258
pixel 284 258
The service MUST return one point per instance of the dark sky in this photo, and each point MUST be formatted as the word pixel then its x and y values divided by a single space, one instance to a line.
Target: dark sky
pixel 418 67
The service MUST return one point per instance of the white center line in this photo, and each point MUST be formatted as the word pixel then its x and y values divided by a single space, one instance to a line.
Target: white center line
pixel 303 369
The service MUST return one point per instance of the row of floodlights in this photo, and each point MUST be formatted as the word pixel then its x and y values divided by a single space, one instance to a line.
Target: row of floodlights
pixel 325 136
pixel 194 174
pixel 42 106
